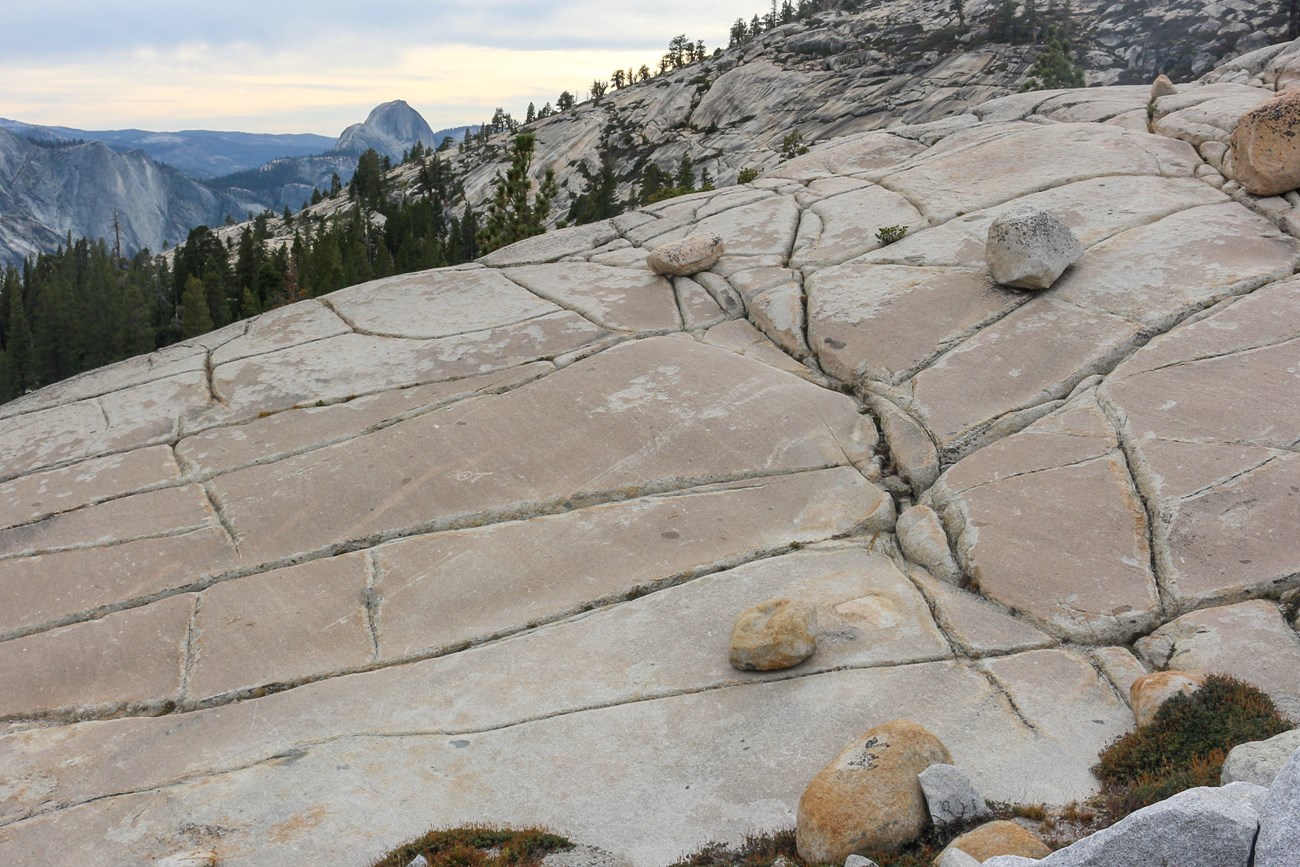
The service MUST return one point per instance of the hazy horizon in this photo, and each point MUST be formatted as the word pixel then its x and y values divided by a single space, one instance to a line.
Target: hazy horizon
pixel 317 67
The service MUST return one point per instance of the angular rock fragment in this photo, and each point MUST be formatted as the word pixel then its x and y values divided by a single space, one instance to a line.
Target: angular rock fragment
pixel 869 795
pixel 687 256
pixel 951 796
pixel 921 536
pixel 1149 692
pixel 773 635
pixel 1028 248
pixel 1162 86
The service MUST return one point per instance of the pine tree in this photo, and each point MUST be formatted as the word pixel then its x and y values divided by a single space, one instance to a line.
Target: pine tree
pixel 511 215
pixel 1053 69
pixel 195 318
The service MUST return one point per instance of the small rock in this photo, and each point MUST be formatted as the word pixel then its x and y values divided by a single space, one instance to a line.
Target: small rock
pixel 1162 86
pixel 1203 827
pixel 854 861
pixel 999 838
pixel 687 256
pixel 955 858
pixel 1259 762
pixel 1279 826
pixel 950 795
pixel 419 861
pixel 869 796
pixel 922 538
pixel 1263 151
pixel 776 634
pixel 1150 691
pixel 1028 248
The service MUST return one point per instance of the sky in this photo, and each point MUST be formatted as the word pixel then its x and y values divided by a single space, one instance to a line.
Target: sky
pixel 275 66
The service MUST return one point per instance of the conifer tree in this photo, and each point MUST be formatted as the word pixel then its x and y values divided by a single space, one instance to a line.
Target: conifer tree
pixel 1053 69
pixel 195 318
pixel 511 215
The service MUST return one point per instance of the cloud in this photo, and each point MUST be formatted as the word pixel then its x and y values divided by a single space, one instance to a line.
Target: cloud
pixel 318 66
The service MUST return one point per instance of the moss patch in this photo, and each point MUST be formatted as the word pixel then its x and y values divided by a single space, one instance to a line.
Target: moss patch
pixel 1184 745
pixel 478 846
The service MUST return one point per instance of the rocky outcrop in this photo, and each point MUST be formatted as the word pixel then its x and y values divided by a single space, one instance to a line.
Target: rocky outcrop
pixel 475 537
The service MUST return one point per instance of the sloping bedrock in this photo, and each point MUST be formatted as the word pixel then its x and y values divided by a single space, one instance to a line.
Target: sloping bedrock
pixel 441 303
pixel 1209 413
pixel 1209 120
pixel 1094 104
pixel 134 416
pixel 763 228
pixel 489 580
pixel 1250 641
pixel 640 418
pixel 171 361
pixel 433 594
pixel 272 437
pixel 553 246
pixel 728 770
pixel 288 326
pixel 39 495
pixel 849 223
pixel 1014 510
pixel 996 163
pixel 1159 273
pixel 1094 210
pixel 885 322
pixel 1122 289
pixel 342 367
pixel 618 299
pixel 848 155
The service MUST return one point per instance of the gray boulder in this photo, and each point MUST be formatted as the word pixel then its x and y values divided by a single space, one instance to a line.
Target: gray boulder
pixel 950 795
pixel 1203 827
pixel 859 861
pixel 1028 248
pixel 1258 762
pixel 1279 829
pixel 958 858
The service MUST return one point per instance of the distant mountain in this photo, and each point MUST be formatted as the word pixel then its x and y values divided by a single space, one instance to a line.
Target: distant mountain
pixel 197 153
pixel 48 190
pixel 389 129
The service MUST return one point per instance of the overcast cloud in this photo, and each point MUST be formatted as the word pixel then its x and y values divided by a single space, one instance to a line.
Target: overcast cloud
pixel 318 66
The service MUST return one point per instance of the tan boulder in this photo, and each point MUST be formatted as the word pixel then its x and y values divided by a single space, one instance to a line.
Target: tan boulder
pixel 1150 691
pixel 1264 150
pixel 869 796
pixel 776 634
pixel 687 256
pixel 1002 837
pixel 1162 86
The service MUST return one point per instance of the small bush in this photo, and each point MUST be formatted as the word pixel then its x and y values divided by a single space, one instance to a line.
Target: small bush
pixel 1185 745
pixel 887 235
pixel 747 175
pixel 476 846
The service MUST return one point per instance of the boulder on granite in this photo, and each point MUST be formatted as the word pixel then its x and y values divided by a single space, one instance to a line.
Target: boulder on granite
pixel 955 858
pixel 851 861
pixel 1028 248
pixel 1264 150
pixel 1259 762
pixel 1001 837
pixel 869 796
pixel 951 796
pixel 1150 691
pixel 773 635
pixel 688 256
pixel 1162 86
pixel 1279 826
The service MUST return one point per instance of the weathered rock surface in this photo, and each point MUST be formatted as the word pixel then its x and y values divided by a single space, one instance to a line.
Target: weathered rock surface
pixel 1001 837
pixel 1263 155
pixel 950 796
pixel 1149 692
pixel 774 635
pixel 869 796
pixel 354 557
pixel 1028 248
pixel 1279 825
pixel 1259 762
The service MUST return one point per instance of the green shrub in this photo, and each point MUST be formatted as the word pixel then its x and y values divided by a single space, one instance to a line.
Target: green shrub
pixel 887 235
pixel 747 175
pixel 1184 745
pixel 477 846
